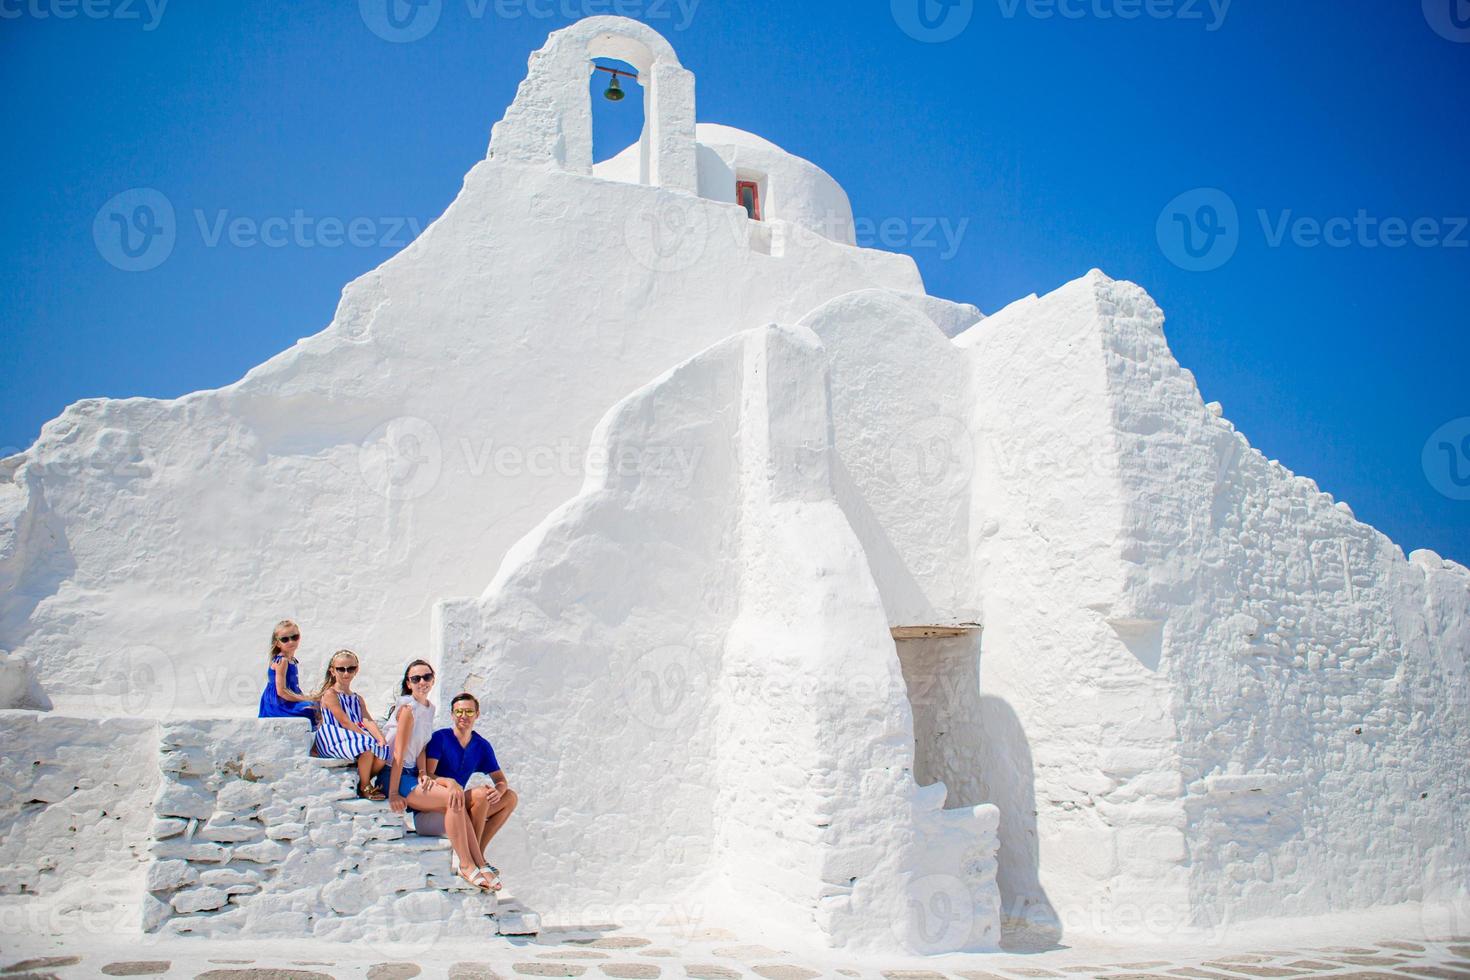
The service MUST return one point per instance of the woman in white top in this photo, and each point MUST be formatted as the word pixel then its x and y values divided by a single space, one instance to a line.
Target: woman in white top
pixel 409 785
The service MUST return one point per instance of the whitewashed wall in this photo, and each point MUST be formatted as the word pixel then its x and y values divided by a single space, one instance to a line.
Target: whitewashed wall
pixel 700 685
pixel 390 459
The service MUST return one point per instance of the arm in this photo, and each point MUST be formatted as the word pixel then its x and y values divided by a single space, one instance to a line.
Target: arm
pixel 501 785
pixel 280 666
pixel 371 726
pixel 400 743
pixel 332 703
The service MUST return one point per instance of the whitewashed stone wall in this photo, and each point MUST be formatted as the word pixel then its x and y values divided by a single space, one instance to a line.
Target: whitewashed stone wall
pixel 74 798
pixel 1210 693
pixel 251 837
pixel 700 682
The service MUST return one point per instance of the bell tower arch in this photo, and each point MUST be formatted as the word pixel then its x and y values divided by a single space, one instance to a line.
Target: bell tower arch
pixel 550 120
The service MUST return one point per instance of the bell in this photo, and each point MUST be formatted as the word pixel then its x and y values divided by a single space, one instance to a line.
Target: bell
pixel 614 92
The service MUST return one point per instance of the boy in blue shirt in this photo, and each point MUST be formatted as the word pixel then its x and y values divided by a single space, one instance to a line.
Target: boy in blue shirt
pixel 458 753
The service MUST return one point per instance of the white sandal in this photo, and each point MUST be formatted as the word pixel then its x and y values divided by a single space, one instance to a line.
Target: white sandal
pixel 492 874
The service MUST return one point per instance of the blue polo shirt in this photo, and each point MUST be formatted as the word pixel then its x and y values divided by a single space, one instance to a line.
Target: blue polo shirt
pixel 460 763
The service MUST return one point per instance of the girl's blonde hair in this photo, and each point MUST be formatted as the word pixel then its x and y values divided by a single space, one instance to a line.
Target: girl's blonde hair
pixel 331 677
pixel 280 627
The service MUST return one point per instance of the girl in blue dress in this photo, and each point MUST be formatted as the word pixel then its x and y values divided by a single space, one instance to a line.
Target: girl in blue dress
pixel 282 697
pixel 347 730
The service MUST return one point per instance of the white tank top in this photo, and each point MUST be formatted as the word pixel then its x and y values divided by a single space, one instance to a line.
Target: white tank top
pixel 423 729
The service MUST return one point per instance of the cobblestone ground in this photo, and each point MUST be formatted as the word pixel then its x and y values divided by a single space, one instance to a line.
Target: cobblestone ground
pixel 711 954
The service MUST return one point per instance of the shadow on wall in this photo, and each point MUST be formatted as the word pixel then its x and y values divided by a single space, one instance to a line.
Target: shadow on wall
pixel 1009 781
pixel 976 746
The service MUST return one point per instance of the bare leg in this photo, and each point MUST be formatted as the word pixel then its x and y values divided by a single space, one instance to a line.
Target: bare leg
pixel 498 814
pixel 364 770
pixel 478 800
pixel 448 798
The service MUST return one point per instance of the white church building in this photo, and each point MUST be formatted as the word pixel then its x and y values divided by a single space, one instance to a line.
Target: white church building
pixel 792 593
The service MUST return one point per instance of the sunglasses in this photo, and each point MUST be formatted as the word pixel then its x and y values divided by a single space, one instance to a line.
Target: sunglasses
pixel 419 678
pixel 465 712
pixel 291 639
pixel 345 670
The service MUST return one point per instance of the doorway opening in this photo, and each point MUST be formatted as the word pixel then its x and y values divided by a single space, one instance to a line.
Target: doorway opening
pixel 943 678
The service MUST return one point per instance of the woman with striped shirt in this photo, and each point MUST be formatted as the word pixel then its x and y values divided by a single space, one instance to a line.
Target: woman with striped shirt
pixel 347 730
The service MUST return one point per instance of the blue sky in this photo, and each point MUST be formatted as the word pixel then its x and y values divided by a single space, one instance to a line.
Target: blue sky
pixel 1036 139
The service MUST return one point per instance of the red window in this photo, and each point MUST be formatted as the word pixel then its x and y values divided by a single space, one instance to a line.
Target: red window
pixel 748 193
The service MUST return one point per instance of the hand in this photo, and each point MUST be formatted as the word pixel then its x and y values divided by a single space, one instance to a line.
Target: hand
pixel 397 803
pixel 493 794
pixel 428 782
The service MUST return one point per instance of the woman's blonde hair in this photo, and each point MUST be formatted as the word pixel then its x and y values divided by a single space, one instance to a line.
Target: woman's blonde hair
pixel 331 677
pixel 282 626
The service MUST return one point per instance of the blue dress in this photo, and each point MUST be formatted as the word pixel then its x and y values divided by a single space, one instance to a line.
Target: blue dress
pixel 271 703
pixel 335 742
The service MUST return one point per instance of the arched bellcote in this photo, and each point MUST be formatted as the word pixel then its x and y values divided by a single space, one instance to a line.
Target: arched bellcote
pixel 551 118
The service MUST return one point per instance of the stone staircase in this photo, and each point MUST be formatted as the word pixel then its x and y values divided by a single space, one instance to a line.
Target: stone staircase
pixel 251 837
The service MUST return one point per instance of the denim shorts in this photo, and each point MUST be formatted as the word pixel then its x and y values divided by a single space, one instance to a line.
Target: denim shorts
pixel 407 780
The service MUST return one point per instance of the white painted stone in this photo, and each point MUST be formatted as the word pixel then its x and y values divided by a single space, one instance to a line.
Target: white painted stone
pixel 331 834
pixel 154 913
pixel 281 813
pixel 388 876
pixel 242 797
pixel 318 815
pixel 192 762
pixel 169 874
pixel 362 807
pixel 518 924
pixel 286 831
pixel 348 895
pixel 231 832
pixel 176 799
pixel 168 827
pixel 366 829
pixel 190 851
pixel 198 900
pixel 225 877
pixel 263 852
